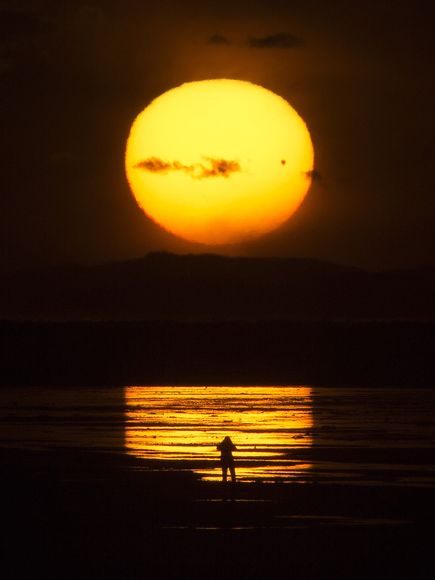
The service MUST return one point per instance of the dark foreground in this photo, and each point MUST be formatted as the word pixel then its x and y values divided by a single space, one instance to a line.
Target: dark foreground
pixel 75 514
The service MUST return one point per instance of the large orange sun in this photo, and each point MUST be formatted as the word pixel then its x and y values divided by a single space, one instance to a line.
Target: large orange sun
pixel 219 161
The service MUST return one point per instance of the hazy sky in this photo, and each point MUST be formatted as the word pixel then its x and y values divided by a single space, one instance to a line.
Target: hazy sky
pixel 75 74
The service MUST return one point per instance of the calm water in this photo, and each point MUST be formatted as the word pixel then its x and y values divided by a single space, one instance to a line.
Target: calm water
pixel 296 433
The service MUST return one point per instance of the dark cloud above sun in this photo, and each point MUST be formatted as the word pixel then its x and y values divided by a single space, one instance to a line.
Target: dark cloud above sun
pixel 280 40
pixel 219 39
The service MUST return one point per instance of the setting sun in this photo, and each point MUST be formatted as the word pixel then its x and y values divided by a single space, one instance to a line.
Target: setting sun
pixel 219 161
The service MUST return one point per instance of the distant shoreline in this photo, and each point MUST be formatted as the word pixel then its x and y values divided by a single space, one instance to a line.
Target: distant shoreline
pixel 329 353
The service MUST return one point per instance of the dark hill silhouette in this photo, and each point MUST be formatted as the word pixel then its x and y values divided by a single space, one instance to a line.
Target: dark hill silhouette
pixel 164 286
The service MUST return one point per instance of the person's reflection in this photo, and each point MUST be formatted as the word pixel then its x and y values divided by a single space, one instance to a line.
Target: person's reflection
pixel 226 447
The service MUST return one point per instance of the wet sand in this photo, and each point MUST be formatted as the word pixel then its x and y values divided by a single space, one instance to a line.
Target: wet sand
pixel 118 483
pixel 82 514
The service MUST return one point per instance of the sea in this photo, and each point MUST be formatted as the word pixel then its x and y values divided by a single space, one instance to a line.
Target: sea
pixel 282 433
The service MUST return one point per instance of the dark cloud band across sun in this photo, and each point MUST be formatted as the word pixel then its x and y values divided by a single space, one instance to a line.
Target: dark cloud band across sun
pixel 211 167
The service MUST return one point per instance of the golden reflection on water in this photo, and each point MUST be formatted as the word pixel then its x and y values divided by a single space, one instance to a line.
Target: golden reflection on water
pixel 267 424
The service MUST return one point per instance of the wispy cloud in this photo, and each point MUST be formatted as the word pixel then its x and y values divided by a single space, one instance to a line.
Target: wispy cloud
pixel 314 175
pixel 218 39
pixel 209 168
pixel 280 40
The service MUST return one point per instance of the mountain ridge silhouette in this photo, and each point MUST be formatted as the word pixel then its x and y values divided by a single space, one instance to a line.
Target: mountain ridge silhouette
pixel 210 287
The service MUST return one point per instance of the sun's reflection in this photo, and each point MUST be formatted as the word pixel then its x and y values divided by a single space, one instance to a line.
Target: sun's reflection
pixel 182 426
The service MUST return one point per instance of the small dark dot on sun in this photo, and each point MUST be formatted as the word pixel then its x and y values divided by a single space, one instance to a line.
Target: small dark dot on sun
pixel 283 161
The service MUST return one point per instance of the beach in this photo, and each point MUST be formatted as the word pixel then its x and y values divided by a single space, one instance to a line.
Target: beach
pixel 74 514
pixel 361 508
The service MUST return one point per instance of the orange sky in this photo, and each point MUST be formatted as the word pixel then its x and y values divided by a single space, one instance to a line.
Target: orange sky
pixel 75 75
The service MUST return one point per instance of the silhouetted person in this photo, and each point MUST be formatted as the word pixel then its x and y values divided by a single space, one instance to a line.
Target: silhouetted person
pixel 226 447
